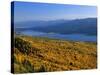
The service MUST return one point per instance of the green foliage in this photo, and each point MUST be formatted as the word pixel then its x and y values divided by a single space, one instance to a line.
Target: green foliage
pixel 24 46
pixel 42 69
pixel 28 66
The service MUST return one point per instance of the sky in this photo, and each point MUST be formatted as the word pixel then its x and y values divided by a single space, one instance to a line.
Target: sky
pixel 26 11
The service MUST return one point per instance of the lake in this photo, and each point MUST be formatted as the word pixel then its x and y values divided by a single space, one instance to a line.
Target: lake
pixel 75 37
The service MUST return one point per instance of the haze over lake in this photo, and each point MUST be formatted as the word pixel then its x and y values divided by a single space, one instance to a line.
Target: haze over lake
pixel 74 37
pixel 58 21
pixel 76 30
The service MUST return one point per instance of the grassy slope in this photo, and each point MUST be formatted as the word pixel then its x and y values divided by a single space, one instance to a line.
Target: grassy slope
pixel 34 54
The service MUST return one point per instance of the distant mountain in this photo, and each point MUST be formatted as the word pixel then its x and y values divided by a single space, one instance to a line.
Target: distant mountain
pixel 39 23
pixel 79 26
pixel 28 24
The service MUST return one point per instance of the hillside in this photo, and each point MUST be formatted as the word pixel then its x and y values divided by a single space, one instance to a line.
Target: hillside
pixel 36 54
pixel 86 26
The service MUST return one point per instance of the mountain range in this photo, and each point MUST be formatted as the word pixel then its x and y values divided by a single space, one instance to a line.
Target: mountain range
pixel 76 26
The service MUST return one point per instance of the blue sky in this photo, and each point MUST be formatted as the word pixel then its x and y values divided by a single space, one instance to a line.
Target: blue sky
pixel 26 11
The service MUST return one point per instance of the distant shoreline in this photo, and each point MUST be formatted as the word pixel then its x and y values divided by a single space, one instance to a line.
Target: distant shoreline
pixel 54 38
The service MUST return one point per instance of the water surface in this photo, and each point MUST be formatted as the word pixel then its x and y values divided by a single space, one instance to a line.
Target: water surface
pixel 74 37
